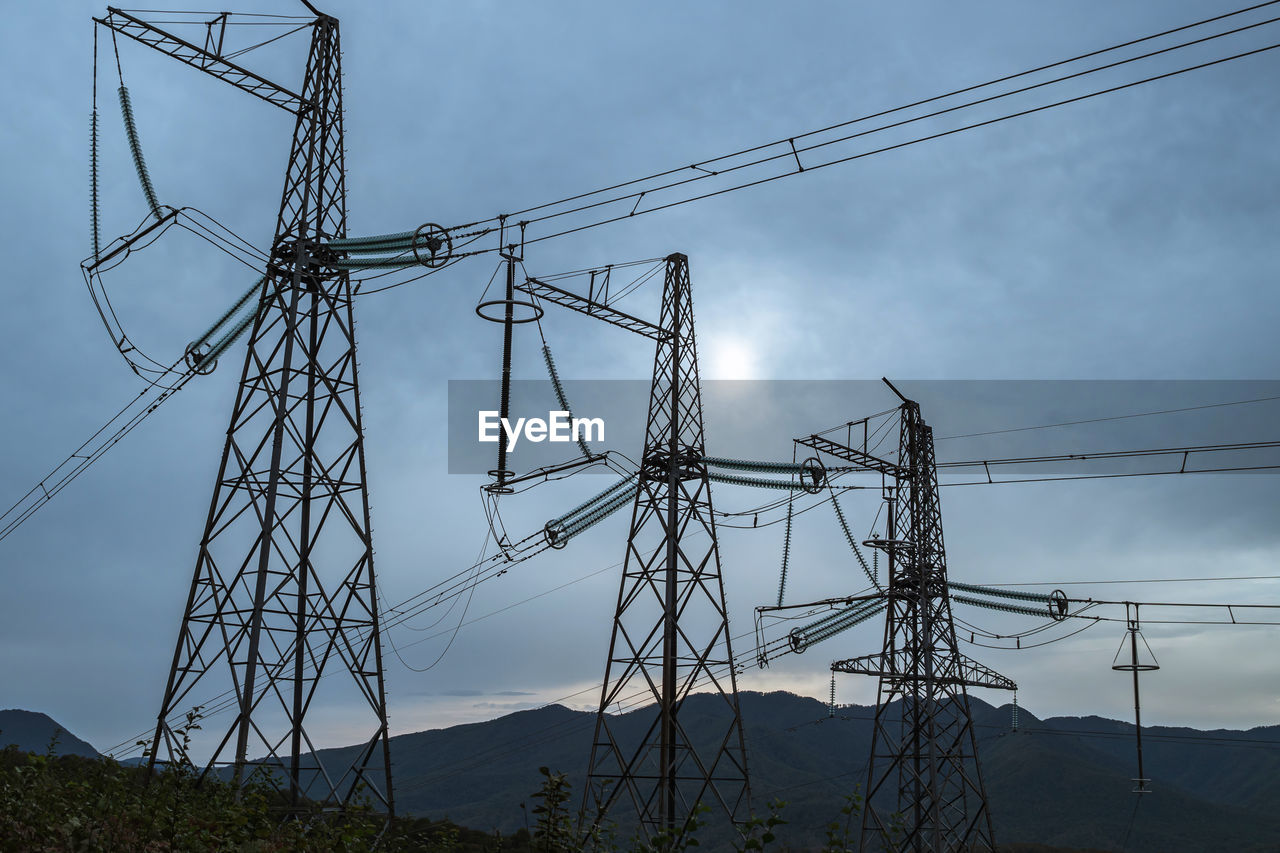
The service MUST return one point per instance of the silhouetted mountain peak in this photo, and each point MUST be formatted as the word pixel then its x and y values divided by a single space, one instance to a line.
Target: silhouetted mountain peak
pixel 33 731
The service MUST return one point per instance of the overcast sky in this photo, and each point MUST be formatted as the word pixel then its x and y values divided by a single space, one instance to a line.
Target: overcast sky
pixel 1125 237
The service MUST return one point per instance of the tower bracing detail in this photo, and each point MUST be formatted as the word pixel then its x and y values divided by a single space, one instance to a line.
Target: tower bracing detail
pixel 283 592
pixel 671 628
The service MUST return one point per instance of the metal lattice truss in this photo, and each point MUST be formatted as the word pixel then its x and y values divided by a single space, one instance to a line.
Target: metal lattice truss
pixel 923 781
pixel 591 307
pixel 283 592
pixel 204 58
pixel 671 628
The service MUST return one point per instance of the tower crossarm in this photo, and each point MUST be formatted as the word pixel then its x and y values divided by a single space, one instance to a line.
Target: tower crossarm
pixel 965 671
pixel 822 444
pixel 585 305
pixel 207 61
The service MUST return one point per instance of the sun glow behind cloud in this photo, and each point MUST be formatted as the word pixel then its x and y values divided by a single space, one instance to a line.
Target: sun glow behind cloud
pixel 731 357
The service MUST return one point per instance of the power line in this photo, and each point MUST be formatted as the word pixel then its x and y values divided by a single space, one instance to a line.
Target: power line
pixel 1132 580
pixel 790 150
pixel 1108 418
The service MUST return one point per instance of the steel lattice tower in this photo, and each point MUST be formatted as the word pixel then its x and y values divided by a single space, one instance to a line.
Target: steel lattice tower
pixel 671 627
pixel 283 591
pixel 924 786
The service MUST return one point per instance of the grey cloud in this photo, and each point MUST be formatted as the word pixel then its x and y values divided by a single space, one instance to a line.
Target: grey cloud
pixel 1127 237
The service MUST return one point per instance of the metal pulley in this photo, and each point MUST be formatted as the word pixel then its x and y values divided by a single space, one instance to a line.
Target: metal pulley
pixel 432 246
pixel 197 358
pixel 813 475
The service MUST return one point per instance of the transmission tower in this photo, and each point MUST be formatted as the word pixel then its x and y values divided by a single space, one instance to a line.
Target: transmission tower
pixel 671 628
pixel 283 592
pixel 924 786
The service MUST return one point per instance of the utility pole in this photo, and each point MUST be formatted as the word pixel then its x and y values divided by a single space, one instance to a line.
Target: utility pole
pixel 1135 665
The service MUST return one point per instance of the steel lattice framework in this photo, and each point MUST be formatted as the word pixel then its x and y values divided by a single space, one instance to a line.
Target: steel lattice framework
pixel 924 785
pixel 283 591
pixel 671 627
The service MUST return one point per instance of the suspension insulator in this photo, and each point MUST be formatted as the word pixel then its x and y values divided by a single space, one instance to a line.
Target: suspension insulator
pixel 853 544
pixel 751 465
pixel 999 605
pixel 380 243
pixel 559 531
pixel 786 552
pixel 561 397
pixel 135 148
pixel 232 335
pixel 758 482
pixel 1018 595
pixel 230 312
pixel 591 503
pixel 801 639
pixel 94 215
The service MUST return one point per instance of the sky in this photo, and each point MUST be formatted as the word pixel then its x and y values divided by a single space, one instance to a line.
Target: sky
pixel 1125 237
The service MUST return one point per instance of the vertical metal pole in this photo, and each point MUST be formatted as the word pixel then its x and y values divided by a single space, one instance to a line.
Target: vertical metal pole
pixel 669 615
pixel 1137 706
pixel 924 564
pixel 505 403
pixel 268 521
pixel 304 563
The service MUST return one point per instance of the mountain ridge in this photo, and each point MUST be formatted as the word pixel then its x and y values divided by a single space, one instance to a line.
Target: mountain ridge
pixel 1061 781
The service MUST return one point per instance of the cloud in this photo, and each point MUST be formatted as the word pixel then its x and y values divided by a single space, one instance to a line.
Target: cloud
pixel 1123 237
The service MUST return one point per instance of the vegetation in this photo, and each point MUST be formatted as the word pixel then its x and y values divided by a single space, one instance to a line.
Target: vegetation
pixel 71 803
pixel 53 803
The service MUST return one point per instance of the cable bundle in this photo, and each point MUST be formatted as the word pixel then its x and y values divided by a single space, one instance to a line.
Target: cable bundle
pixel 749 465
pixel 760 483
pixel 591 512
pixel 1037 597
pixel 999 605
pixel 833 623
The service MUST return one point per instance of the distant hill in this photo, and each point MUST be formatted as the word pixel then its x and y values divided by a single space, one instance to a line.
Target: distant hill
pixel 1062 782
pixel 32 731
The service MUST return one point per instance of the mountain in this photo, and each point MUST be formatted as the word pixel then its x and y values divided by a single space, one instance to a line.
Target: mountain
pixel 1054 784
pixel 32 732
pixel 1061 782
